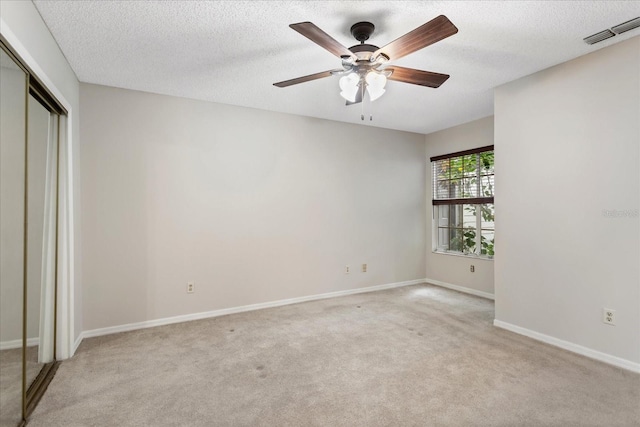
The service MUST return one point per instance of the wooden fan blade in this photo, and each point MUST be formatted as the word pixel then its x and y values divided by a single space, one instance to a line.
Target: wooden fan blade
pixel 319 37
pixel 416 77
pixel 306 78
pixel 358 98
pixel 433 31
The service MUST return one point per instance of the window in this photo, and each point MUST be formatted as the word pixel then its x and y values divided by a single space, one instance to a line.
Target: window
pixel 463 210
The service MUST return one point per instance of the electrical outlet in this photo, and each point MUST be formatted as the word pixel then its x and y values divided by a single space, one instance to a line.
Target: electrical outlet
pixel 346 269
pixel 191 287
pixel 609 316
pixel 364 268
pixel 472 268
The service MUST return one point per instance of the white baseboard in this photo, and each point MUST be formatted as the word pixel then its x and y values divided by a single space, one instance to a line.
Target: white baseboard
pixel 460 289
pixel 575 348
pixel 233 310
pixel 8 345
pixel 77 342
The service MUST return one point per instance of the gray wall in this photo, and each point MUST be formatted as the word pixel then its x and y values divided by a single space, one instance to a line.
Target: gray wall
pixel 253 206
pixel 567 158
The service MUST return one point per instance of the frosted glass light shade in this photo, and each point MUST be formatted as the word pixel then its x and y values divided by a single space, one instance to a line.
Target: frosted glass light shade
pixel 375 85
pixel 375 93
pixel 349 86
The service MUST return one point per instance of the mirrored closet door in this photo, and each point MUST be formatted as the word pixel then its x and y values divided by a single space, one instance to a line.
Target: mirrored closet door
pixel 29 130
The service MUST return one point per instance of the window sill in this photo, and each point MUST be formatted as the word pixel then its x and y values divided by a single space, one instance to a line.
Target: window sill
pixel 470 256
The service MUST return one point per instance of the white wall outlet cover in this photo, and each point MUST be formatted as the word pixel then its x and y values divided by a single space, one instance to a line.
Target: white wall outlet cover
pixel 609 316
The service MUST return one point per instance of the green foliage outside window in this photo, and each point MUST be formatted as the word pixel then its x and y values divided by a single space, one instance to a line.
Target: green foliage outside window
pixel 467 177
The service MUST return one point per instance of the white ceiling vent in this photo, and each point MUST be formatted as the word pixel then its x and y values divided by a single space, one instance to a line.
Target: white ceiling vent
pixel 626 26
pixel 618 29
pixel 598 37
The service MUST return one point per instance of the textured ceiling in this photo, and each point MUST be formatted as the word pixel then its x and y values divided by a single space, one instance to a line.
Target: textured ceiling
pixel 233 51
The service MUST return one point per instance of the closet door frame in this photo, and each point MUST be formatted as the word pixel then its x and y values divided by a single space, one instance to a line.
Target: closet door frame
pixel 42 68
pixel 31 393
pixel 67 338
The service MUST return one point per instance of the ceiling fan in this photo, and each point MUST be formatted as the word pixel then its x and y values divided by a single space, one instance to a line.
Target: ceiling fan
pixel 364 65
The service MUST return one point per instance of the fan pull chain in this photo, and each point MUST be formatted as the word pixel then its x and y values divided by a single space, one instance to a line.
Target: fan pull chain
pixel 362 103
pixel 362 106
pixel 370 115
pixel 370 111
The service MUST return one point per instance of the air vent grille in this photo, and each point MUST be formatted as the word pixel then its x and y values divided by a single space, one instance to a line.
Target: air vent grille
pixel 626 26
pixel 598 37
pixel 618 29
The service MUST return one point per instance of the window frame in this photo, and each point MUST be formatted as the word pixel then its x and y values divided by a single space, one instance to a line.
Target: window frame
pixel 476 199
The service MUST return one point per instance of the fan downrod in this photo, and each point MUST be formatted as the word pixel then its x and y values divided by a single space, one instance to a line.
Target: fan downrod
pixel 361 31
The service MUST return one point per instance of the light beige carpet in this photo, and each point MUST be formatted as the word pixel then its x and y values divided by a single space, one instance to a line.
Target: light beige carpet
pixel 11 382
pixel 10 387
pixel 412 356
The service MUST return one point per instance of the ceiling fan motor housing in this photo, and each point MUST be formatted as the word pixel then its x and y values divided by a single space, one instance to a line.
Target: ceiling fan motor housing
pixel 363 51
pixel 362 31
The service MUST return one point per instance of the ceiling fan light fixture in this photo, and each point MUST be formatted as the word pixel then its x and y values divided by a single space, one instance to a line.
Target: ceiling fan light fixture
pixel 376 79
pixel 349 86
pixel 375 84
pixel 375 93
pixel 350 96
